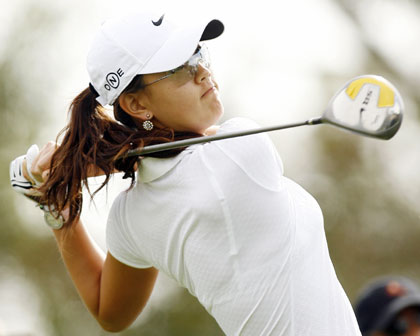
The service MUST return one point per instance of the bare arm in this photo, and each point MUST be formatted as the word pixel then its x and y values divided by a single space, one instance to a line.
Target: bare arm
pixel 113 292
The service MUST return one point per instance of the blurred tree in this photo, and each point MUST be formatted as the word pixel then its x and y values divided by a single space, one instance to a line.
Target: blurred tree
pixel 372 230
pixel 378 60
pixel 24 109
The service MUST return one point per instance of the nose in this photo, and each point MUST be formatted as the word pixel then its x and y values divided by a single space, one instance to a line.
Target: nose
pixel 202 74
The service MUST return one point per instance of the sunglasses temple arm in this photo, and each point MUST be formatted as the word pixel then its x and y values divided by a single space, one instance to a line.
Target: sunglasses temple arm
pixel 228 135
pixel 159 79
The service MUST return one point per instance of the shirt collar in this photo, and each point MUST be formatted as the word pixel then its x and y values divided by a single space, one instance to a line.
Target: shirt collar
pixel 151 168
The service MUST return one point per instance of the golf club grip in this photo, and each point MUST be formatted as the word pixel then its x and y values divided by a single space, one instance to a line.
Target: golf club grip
pixel 228 135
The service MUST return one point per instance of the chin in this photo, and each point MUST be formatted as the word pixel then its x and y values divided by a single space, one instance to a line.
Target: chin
pixel 219 112
pixel 209 118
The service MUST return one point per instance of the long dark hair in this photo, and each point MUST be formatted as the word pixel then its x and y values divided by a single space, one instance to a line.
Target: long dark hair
pixel 93 141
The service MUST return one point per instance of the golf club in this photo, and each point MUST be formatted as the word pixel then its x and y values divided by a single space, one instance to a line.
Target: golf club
pixel 368 105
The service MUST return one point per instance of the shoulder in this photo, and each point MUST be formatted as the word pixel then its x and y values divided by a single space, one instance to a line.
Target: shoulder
pixel 118 203
pixel 253 155
pixel 117 217
pixel 121 241
pixel 250 147
pixel 243 124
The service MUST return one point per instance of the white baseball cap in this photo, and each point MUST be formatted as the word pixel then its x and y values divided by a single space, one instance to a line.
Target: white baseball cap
pixel 142 43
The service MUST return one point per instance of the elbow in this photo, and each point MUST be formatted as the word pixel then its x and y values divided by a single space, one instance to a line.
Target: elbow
pixel 113 326
pixel 112 329
pixel 115 321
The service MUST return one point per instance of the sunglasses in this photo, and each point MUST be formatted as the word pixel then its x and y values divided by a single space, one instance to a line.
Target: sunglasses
pixel 188 70
pixel 400 326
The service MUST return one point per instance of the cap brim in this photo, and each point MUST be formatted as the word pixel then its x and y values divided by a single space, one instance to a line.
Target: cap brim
pixel 395 308
pixel 213 29
pixel 181 45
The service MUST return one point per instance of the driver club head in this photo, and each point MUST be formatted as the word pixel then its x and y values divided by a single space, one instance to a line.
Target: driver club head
pixel 369 105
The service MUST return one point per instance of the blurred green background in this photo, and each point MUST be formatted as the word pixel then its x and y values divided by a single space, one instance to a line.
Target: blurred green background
pixel 275 63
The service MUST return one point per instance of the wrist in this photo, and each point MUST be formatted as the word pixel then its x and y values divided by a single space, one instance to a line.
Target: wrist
pixel 52 218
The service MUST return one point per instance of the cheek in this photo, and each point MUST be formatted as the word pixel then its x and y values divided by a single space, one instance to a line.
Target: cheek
pixel 182 108
pixel 167 99
pixel 174 106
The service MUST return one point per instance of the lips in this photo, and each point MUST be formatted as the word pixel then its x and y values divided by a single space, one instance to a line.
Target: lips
pixel 211 89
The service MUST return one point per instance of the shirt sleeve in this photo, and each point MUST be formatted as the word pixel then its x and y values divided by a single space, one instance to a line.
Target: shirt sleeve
pixel 120 241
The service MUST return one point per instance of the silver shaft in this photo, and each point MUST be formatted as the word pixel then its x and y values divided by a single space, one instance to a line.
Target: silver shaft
pixel 194 141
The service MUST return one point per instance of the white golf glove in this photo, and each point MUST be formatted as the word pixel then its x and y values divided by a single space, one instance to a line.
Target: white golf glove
pixel 19 183
pixel 23 186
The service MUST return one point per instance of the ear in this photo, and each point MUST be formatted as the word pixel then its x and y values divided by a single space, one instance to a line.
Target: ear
pixel 133 105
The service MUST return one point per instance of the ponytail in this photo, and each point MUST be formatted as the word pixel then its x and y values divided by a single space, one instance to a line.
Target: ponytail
pixel 92 144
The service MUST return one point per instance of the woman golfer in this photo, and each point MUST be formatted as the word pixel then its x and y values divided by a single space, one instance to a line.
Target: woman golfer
pixel 219 218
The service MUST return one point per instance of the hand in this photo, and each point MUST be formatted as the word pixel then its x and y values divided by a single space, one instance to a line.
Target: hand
pixel 30 170
pixel 21 180
pixel 39 168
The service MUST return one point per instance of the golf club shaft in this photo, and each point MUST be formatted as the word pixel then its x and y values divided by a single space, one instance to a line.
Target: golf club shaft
pixel 194 141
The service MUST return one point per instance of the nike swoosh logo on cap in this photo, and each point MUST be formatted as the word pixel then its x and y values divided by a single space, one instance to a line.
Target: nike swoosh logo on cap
pixel 158 22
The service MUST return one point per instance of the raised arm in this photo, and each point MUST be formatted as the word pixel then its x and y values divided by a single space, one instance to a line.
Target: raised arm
pixel 113 292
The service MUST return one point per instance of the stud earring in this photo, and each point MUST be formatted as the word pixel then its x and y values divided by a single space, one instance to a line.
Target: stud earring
pixel 147 124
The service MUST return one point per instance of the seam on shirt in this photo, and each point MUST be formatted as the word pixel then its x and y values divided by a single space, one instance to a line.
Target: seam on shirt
pixel 183 277
pixel 292 249
pixel 233 250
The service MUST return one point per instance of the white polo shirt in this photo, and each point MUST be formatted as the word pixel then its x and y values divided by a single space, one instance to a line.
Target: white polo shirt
pixel 222 220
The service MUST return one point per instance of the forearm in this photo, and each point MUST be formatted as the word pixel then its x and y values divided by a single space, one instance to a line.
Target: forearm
pixel 84 262
pixel 113 292
pixel 83 259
